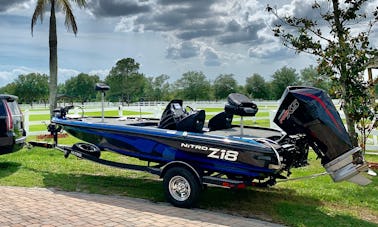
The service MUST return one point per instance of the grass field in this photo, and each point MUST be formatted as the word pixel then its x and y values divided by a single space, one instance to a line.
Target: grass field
pixel 310 202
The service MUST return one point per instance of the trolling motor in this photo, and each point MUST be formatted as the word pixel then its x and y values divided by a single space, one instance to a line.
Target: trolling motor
pixel 102 88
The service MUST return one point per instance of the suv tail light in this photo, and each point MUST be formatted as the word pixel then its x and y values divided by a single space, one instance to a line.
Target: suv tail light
pixel 9 119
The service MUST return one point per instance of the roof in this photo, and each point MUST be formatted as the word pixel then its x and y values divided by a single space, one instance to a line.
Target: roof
pixel 8 97
pixel 373 64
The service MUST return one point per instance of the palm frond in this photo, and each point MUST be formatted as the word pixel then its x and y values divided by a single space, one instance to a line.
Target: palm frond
pixel 70 21
pixel 38 13
pixel 81 3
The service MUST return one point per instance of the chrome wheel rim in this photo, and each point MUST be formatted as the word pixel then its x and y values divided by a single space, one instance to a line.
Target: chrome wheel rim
pixel 179 188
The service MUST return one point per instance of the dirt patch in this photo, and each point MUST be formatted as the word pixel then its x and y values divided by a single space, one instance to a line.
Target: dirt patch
pixel 373 165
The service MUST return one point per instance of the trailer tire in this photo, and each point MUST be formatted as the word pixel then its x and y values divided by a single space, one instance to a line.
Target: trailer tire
pixel 87 148
pixel 181 187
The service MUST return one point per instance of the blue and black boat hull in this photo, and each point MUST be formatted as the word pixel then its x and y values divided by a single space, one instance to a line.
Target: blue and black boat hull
pixel 237 156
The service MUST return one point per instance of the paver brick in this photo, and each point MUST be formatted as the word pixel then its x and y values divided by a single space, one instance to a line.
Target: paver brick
pixel 48 207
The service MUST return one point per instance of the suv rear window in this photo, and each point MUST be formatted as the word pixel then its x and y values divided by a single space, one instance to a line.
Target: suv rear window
pixel 14 108
pixel 2 108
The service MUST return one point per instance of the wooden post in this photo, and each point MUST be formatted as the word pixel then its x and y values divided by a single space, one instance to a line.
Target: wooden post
pixel 370 76
pixel 372 65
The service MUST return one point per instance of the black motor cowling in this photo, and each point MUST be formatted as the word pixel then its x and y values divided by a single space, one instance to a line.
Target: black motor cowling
pixel 310 111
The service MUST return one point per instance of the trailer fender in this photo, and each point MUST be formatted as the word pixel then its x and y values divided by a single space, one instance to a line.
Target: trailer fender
pixel 185 165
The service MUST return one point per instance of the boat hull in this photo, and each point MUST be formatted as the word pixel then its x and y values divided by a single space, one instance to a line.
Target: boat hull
pixel 235 155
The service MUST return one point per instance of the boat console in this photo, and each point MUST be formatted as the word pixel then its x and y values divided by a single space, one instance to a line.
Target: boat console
pixel 176 117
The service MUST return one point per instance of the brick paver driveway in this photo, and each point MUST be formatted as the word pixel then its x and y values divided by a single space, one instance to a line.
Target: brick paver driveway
pixel 45 207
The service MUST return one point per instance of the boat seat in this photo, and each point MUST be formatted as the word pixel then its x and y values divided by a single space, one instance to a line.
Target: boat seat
pixel 102 87
pixel 175 117
pixel 220 121
pixel 241 105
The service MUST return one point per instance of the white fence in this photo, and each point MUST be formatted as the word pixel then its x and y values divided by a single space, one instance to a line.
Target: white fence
pixel 156 109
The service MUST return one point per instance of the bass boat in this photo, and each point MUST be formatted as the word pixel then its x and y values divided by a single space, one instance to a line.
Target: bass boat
pixel 189 153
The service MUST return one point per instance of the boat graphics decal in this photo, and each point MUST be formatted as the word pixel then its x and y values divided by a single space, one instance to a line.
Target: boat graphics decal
pixel 290 110
pixel 216 153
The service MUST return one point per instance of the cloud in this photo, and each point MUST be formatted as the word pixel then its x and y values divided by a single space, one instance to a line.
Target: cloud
pixel 270 51
pixel 190 20
pixel 211 58
pixel 218 23
pixel 102 73
pixel 9 4
pixel 183 50
pixel 115 8
pixel 8 76
pixel 237 34
pixel 127 24
pixel 64 74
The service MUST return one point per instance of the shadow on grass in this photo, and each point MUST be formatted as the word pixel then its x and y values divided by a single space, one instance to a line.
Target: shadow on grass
pixel 108 185
pixel 8 168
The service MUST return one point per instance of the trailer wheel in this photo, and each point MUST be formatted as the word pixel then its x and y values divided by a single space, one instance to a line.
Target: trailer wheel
pixel 87 148
pixel 181 187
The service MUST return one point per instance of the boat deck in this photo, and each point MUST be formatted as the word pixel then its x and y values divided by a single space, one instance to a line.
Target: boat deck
pixel 248 131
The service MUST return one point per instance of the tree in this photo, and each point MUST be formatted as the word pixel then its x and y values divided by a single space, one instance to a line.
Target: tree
pixel 223 85
pixel 8 89
pixel 82 87
pixel 311 77
pixel 343 50
pixel 159 87
pixel 125 82
pixel 70 24
pixel 32 87
pixel 61 88
pixel 281 79
pixel 256 87
pixel 193 86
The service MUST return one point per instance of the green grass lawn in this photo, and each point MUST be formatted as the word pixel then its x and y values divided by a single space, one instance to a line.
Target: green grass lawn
pixel 39 117
pixel 310 202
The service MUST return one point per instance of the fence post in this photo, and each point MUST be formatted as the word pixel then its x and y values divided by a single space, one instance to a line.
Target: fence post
pixel 272 114
pixel 26 120
pixel 120 111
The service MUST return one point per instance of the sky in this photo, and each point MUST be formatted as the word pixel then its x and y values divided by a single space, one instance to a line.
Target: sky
pixel 165 36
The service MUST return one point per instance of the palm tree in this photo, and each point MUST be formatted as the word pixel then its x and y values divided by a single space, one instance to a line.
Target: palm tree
pixel 70 24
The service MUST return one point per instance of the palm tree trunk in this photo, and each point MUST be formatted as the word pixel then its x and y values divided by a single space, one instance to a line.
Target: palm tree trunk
pixel 53 45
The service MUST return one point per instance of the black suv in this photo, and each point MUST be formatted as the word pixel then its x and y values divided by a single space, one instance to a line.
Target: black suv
pixel 12 132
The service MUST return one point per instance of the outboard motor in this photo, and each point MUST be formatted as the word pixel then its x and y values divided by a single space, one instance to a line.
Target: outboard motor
pixel 311 111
